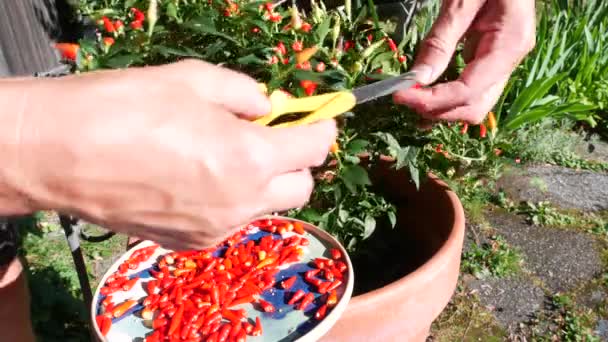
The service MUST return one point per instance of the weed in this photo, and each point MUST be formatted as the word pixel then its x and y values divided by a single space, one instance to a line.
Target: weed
pixel 493 258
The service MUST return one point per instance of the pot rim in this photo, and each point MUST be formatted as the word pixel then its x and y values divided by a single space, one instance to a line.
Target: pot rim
pixel 432 266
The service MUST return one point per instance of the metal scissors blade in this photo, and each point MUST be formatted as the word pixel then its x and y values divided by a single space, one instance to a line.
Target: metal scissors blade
pixel 385 87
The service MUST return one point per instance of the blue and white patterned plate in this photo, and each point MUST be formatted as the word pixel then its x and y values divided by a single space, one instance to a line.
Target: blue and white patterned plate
pixel 285 324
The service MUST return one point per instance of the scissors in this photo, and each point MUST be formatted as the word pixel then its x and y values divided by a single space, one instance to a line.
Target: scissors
pixel 330 105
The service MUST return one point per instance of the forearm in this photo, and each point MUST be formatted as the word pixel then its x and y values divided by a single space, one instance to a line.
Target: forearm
pixel 14 96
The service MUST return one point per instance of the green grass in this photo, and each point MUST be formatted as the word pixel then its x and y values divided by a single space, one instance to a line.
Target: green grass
pixel 492 258
pixel 58 312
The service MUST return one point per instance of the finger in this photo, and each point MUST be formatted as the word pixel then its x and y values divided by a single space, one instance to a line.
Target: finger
pixel 288 191
pixel 474 113
pixel 438 47
pixel 301 147
pixel 477 78
pixel 237 92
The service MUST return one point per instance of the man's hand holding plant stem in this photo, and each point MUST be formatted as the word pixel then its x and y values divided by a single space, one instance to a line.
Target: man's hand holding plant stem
pixel 497 35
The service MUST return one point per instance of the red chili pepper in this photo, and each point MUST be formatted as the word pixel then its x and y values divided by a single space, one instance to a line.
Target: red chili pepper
pixel 465 128
pixel 242 300
pixel 128 285
pixel 297 46
pixel 298 228
pixel 257 329
pixel 296 296
pixel 482 130
pixel 320 314
pixel 223 332
pixel 310 274
pixel 137 14
pixel 242 336
pixel 108 41
pixel 159 323
pixel 151 287
pixel 108 290
pixel 123 307
pixel 305 27
pixel 348 45
pixel 176 320
pixel 281 49
pixel 288 283
pixel 137 24
pixel 335 253
pixel 307 300
pixel 322 287
pixel 106 324
pixel 402 59
pixel 332 299
pixel 334 285
pixel 266 306
pixel 108 25
pixel 212 337
pixel 391 44
pixel 68 51
pixel 118 24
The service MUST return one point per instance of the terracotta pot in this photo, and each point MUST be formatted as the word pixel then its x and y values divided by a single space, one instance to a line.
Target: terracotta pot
pixel 430 227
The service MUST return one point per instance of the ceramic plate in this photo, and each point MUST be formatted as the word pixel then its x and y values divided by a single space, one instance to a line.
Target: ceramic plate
pixel 285 324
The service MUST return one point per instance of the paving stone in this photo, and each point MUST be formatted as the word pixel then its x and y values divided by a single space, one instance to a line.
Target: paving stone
pixel 513 300
pixel 601 329
pixel 593 150
pixel 566 188
pixel 561 258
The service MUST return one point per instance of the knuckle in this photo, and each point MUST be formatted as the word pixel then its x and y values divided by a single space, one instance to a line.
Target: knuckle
pixel 437 43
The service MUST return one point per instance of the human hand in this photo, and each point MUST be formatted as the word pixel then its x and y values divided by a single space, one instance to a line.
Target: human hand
pixel 159 153
pixel 497 36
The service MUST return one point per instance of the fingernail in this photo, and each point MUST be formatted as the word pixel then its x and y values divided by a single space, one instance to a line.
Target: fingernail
pixel 424 73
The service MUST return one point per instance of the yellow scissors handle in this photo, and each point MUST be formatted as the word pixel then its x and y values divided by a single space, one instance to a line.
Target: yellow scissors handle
pixel 323 106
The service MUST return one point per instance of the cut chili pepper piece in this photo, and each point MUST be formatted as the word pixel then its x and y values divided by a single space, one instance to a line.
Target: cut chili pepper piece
pixel 296 296
pixel 335 254
pixel 288 283
pixel 298 227
pixel 320 314
pixel 231 316
pixel 105 325
pixel 322 288
pixel 332 299
pixel 236 329
pixel 257 329
pixel 334 285
pixel 266 306
pixel 242 336
pixel 120 310
pixel 242 300
pixel 307 300
pixel 223 332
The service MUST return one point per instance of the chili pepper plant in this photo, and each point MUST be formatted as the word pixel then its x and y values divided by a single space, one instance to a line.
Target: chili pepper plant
pixel 301 53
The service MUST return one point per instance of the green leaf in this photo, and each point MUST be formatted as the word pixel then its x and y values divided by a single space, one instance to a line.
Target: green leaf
pixel 250 59
pixel 369 227
pixel 322 30
pixel 262 25
pixel 308 75
pixel 171 11
pixel 392 218
pixel 377 61
pixel 354 175
pixel 357 146
pixel 415 174
pixel 535 91
pixel 168 51
pixel 206 25
pixel 310 215
pixel 122 61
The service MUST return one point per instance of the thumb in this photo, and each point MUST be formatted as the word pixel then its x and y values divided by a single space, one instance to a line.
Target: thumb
pixel 438 47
